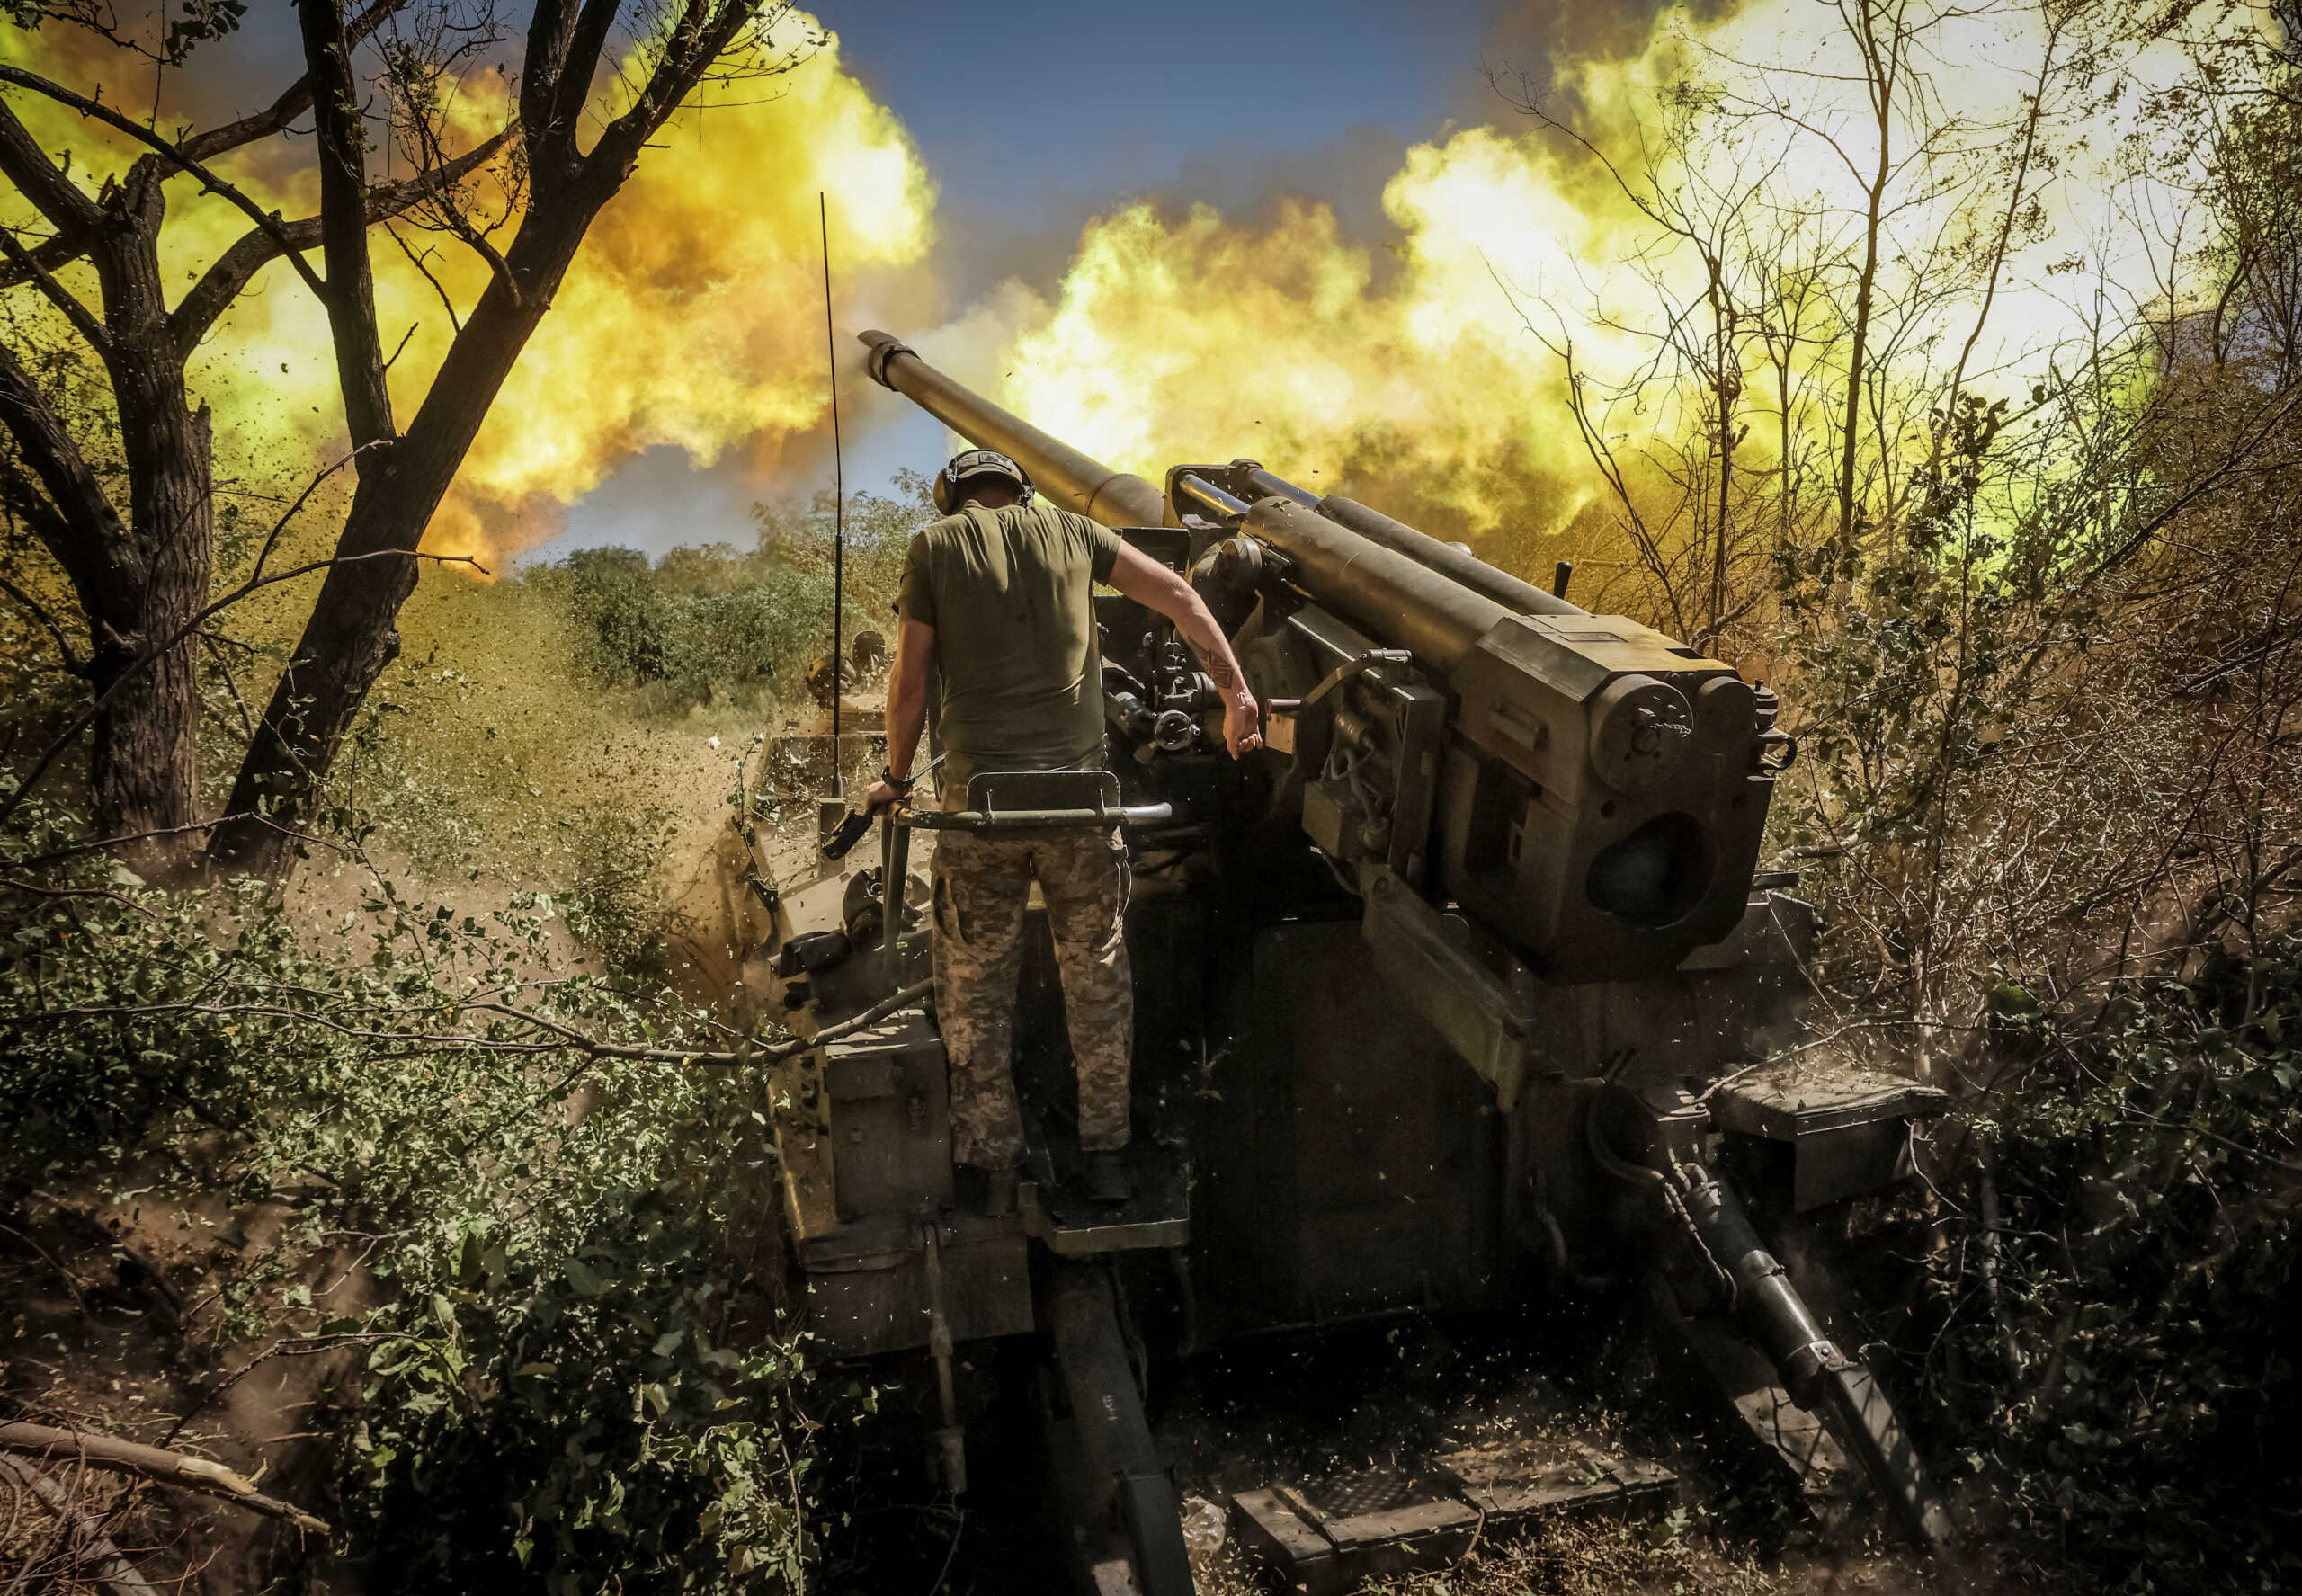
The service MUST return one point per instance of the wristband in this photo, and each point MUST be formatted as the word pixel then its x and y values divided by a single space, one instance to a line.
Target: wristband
pixel 900 783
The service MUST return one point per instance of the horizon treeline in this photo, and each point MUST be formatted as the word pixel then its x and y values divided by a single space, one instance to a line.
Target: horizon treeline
pixel 712 623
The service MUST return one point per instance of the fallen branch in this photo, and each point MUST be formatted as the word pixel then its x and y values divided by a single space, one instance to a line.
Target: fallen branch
pixel 560 1039
pixel 100 1558
pixel 174 1468
pixel 862 1022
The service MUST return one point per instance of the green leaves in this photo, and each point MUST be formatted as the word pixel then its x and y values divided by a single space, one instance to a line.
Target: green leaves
pixel 701 621
pixel 561 1371
pixel 2145 1262
pixel 632 1447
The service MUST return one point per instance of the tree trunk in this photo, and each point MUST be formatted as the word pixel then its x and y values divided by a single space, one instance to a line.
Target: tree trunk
pixel 1884 66
pixel 144 765
pixel 143 762
pixel 353 633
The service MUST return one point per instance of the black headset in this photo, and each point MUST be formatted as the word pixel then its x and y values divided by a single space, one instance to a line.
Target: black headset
pixel 976 462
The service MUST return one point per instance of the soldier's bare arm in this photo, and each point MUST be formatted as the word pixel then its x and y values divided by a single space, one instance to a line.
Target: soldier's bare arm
pixel 907 681
pixel 1152 585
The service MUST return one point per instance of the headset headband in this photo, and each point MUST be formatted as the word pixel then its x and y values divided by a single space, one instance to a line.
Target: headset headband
pixel 976 462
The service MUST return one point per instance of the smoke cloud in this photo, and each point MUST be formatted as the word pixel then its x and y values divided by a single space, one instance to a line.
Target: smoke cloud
pixel 1360 315
pixel 692 318
pixel 1411 369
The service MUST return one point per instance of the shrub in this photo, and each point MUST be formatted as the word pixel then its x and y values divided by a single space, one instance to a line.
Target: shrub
pixel 574 1379
pixel 703 621
pixel 2133 1391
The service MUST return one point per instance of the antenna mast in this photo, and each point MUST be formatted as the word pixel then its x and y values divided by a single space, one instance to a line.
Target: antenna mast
pixel 838 519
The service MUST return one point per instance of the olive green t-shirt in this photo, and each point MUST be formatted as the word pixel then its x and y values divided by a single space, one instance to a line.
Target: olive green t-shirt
pixel 1010 594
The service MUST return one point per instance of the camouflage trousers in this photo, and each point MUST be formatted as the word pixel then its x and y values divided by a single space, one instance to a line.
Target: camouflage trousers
pixel 982 885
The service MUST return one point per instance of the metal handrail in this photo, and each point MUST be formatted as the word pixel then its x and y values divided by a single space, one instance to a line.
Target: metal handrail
pixel 1005 819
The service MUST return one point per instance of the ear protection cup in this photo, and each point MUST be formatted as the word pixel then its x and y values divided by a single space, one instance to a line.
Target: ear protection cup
pixel 976 462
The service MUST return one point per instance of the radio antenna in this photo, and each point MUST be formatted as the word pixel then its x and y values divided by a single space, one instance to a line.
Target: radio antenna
pixel 838 518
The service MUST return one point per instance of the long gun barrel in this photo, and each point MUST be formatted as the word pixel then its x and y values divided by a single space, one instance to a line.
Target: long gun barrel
pixel 1061 472
pixel 1458 566
pixel 1380 572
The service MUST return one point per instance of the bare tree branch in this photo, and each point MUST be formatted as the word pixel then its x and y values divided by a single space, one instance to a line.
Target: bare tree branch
pixel 73 663
pixel 293 102
pixel 151 1463
pixel 213 294
pixel 572 86
pixel 550 32
pixel 297 98
pixel 47 255
pixel 700 37
pixel 83 321
pixel 142 135
pixel 342 150
pixel 39 180
pixel 84 531
pixel 95 1552
pixel 561 1038
pixel 419 262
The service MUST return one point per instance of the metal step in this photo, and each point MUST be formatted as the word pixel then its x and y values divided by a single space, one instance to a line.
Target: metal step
pixel 1056 1210
pixel 1073 1226
pixel 1331 1534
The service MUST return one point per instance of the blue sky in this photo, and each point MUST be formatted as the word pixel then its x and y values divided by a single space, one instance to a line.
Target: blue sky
pixel 1034 116
pixel 1026 109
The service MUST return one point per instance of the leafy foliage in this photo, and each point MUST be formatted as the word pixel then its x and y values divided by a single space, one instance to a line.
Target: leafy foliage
pixel 2135 1385
pixel 617 1432
pixel 577 1372
pixel 2039 635
pixel 704 622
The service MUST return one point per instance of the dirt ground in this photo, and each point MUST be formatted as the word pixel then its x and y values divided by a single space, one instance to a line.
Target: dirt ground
pixel 108 1322
pixel 1389 1397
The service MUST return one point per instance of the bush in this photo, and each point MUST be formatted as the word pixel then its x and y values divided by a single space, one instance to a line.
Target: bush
pixel 704 621
pixel 2130 1398
pixel 619 1434
pixel 578 1377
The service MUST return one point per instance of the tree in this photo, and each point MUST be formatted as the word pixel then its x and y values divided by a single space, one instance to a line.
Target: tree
pixel 142 572
pixel 1733 293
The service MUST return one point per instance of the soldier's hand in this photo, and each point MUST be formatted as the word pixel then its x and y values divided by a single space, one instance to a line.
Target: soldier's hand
pixel 879 796
pixel 1242 724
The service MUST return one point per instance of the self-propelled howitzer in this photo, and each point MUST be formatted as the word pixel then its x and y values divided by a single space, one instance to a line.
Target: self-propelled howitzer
pixel 1487 828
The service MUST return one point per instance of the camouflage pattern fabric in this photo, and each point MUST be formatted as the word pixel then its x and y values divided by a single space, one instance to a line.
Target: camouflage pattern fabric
pixel 982 882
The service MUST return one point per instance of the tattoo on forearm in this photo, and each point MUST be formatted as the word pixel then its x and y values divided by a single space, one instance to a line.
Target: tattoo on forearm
pixel 1214 654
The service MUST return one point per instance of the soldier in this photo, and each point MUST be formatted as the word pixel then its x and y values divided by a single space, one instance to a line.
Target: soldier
pixel 996 606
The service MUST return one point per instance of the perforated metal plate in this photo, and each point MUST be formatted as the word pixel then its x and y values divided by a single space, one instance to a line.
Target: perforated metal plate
pixel 1329 1534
